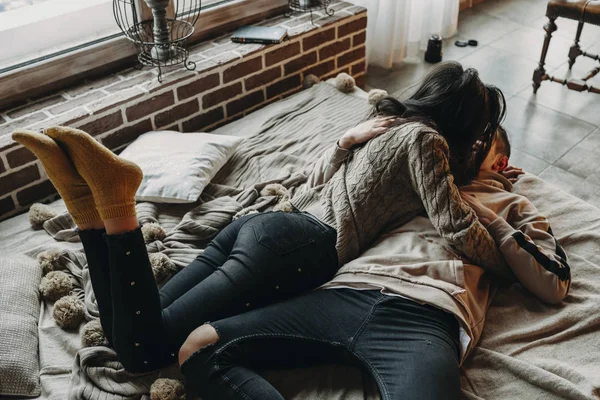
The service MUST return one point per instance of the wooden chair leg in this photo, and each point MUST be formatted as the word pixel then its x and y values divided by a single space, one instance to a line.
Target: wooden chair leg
pixel 575 50
pixel 540 72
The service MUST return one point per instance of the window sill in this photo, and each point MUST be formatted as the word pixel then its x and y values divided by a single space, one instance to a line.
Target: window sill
pixel 35 80
pixel 95 98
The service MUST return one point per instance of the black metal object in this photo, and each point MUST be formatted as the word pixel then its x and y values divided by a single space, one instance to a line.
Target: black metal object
pixel 310 6
pixel 434 49
pixel 465 43
pixel 161 40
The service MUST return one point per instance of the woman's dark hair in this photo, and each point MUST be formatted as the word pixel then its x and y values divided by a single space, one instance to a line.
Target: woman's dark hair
pixel 456 103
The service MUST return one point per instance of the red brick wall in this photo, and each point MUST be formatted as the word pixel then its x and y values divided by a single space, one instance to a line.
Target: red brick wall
pixel 230 81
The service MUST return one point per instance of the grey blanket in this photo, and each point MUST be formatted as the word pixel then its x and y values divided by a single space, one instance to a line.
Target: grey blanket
pixel 528 350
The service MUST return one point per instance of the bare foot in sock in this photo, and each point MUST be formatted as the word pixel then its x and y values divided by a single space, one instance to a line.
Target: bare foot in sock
pixel 70 185
pixel 113 180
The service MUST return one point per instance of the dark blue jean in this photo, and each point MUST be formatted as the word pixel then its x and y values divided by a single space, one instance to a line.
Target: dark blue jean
pixel 255 261
pixel 411 350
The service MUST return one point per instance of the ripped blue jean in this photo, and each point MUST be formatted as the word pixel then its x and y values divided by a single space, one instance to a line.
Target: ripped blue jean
pixel 411 350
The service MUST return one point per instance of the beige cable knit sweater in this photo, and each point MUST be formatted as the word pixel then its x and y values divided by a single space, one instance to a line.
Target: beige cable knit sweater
pixel 386 183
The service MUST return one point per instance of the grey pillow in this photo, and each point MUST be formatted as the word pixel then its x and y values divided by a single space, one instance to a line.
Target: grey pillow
pixel 19 312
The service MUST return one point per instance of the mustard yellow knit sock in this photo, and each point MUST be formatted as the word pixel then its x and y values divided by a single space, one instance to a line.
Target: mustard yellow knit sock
pixel 113 180
pixel 61 172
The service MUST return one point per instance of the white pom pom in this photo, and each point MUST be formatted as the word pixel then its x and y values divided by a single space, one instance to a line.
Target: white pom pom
pixel 49 260
pixel 167 389
pixel 40 213
pixel 152 232
pixel 55 285
pixel 92 334
pixel 310 80
pixel 68 312
pixel 285 206
pixel 162 266
pixel 275 189
pixel 375 95
pixel 344 83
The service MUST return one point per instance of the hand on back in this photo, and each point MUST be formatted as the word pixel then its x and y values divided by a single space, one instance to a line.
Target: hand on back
pixel 366 131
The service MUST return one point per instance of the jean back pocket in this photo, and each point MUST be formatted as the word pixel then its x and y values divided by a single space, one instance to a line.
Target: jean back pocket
pixel 281 233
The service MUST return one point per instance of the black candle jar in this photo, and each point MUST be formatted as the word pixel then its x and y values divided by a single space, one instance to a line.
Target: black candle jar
pixel 434 49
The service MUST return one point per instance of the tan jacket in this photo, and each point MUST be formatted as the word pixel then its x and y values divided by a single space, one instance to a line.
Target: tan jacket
pixel 413 261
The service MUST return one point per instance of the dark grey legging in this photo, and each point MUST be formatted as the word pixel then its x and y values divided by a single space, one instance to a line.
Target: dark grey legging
pixel 255 261
pixel 411 350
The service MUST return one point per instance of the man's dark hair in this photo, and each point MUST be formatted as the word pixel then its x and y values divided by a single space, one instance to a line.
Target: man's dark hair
pixel 503 143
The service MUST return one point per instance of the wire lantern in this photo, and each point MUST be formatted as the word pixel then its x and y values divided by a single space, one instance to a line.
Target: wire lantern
pixel 310 6
pixel 161 40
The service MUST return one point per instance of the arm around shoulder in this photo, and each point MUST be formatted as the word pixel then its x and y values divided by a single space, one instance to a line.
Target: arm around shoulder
pixel 453 218
pixel 331 161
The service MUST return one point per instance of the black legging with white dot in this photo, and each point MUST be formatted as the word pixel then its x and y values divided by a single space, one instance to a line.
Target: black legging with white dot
pixel 257 260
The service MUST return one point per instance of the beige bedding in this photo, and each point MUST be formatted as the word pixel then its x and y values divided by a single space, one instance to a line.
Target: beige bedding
pixel 528 350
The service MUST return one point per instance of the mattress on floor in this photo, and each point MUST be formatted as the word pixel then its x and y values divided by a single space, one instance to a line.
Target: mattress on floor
pixel 528 349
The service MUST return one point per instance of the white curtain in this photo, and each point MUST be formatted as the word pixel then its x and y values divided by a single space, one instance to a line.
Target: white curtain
pixel 400 28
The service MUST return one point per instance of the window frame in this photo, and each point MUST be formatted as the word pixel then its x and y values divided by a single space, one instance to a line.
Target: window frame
pixel 114 53
pixel 33 32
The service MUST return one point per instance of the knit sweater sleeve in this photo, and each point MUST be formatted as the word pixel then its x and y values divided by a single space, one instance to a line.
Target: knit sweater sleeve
pixel 327 165
pixel 453 218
